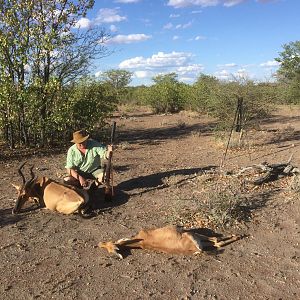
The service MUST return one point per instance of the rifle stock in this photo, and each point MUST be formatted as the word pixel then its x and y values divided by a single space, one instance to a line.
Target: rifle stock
pixel 108 185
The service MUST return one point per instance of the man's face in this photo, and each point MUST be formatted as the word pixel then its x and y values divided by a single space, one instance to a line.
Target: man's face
pixel 82 145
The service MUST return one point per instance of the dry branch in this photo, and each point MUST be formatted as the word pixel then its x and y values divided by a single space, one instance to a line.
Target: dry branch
pixel 271 172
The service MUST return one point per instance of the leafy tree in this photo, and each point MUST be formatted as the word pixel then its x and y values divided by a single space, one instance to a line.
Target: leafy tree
pixel 257 103
pixel 289 71
pixel 41 51
pixel 164 96
pixel 89 105
pixel 118 80
pixel 289 60
pixel 203 93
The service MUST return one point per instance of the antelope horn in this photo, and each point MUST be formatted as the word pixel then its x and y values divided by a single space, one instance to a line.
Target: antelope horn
pixel 32 175
pixel 20 171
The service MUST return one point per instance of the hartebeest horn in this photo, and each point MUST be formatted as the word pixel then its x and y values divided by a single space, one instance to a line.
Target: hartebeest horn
pixel 32 176
pixel 20 171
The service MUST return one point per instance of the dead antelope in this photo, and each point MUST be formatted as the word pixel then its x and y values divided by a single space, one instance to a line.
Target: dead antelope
pixel 170 239
pixel 50 194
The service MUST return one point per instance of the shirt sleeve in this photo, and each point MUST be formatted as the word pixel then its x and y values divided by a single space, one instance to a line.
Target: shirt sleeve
pixel 101 151
pixel 69 163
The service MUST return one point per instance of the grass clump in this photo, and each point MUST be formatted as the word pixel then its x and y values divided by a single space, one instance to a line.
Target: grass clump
pixel 223 204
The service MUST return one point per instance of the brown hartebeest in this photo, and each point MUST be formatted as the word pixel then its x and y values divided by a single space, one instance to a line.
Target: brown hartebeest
pixel 50 194
pixel 170 239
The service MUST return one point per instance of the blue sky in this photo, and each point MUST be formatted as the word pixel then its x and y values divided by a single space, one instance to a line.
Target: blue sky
pixel 224 38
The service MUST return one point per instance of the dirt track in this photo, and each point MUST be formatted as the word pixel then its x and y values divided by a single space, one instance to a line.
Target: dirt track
pixel 159 162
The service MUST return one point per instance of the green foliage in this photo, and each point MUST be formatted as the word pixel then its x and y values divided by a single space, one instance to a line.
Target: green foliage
pixel 88 105
pixel 41 56
pixel 219 99
pixel 289 60
pixel 203 93
pixel 209 95
pixel 117 81
pixel 294 90
pixel 289 71
pixel 164 96
pixel 117 78
pixel 135 96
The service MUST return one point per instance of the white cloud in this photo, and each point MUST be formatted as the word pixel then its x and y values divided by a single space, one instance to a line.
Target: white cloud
pixel 190 73
pixel 98 74
pixel 159 60
pixel 105 15
pixel 193 69
pixel 127 1
pixel 270 64
pixel 175 37
pixel 186 79
pixel 168 26
pixel 185 3
pixel 108 15
pixel 241 74
pixel 200 37
pixel 174 16
pixel 230 3
pixel 206 3
pixel 230 65
pixel 183 26
pixel 83 23
pixel 143 74
pixel 128 39
pixel 266 1
pixel 223 75
pixel 133 63
pixel 179 26
pixel 163 63
pixel 113 28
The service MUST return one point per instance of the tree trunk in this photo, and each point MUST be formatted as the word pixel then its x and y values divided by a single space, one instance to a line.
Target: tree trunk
pixel 11 138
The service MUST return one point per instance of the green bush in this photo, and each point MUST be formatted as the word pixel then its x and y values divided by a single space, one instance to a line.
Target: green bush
pixel 164 96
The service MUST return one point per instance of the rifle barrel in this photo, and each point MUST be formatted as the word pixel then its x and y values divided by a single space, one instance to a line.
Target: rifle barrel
pixel 113 131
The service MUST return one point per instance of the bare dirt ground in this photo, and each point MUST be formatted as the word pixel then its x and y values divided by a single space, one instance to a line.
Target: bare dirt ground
pixel 161 164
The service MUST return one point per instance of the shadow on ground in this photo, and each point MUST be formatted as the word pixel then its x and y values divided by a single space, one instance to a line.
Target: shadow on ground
pixel 29 153
pixel 279 119
pixel 243 212
pixel 155 181
pixel 7 218
pixel 143 136
pixel 99 204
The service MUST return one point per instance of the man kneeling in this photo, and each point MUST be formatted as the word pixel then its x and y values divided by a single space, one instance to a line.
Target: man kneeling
pixel 85 160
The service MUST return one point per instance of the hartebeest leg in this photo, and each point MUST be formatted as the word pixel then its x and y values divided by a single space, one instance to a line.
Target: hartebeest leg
pixel 227 240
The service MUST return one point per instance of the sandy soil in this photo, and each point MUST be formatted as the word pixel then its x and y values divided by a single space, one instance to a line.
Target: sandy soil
pixel 159 170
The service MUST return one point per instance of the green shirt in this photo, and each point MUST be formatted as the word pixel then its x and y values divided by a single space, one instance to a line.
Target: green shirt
pixel 89 162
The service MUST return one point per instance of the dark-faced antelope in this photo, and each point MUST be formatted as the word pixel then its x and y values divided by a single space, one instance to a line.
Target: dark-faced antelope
pixel 50 194
pixel 170 239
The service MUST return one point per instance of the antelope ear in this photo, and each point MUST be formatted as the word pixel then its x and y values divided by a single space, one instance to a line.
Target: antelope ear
pixel 17 187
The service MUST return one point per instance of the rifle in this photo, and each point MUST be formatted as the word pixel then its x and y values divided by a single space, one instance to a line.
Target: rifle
pixel 108 174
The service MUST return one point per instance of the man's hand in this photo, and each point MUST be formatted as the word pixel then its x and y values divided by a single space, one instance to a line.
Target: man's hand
pixel 109 150
pixel 82 181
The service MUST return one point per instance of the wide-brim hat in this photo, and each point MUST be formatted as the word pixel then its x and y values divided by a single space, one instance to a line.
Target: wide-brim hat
pixel 80 136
